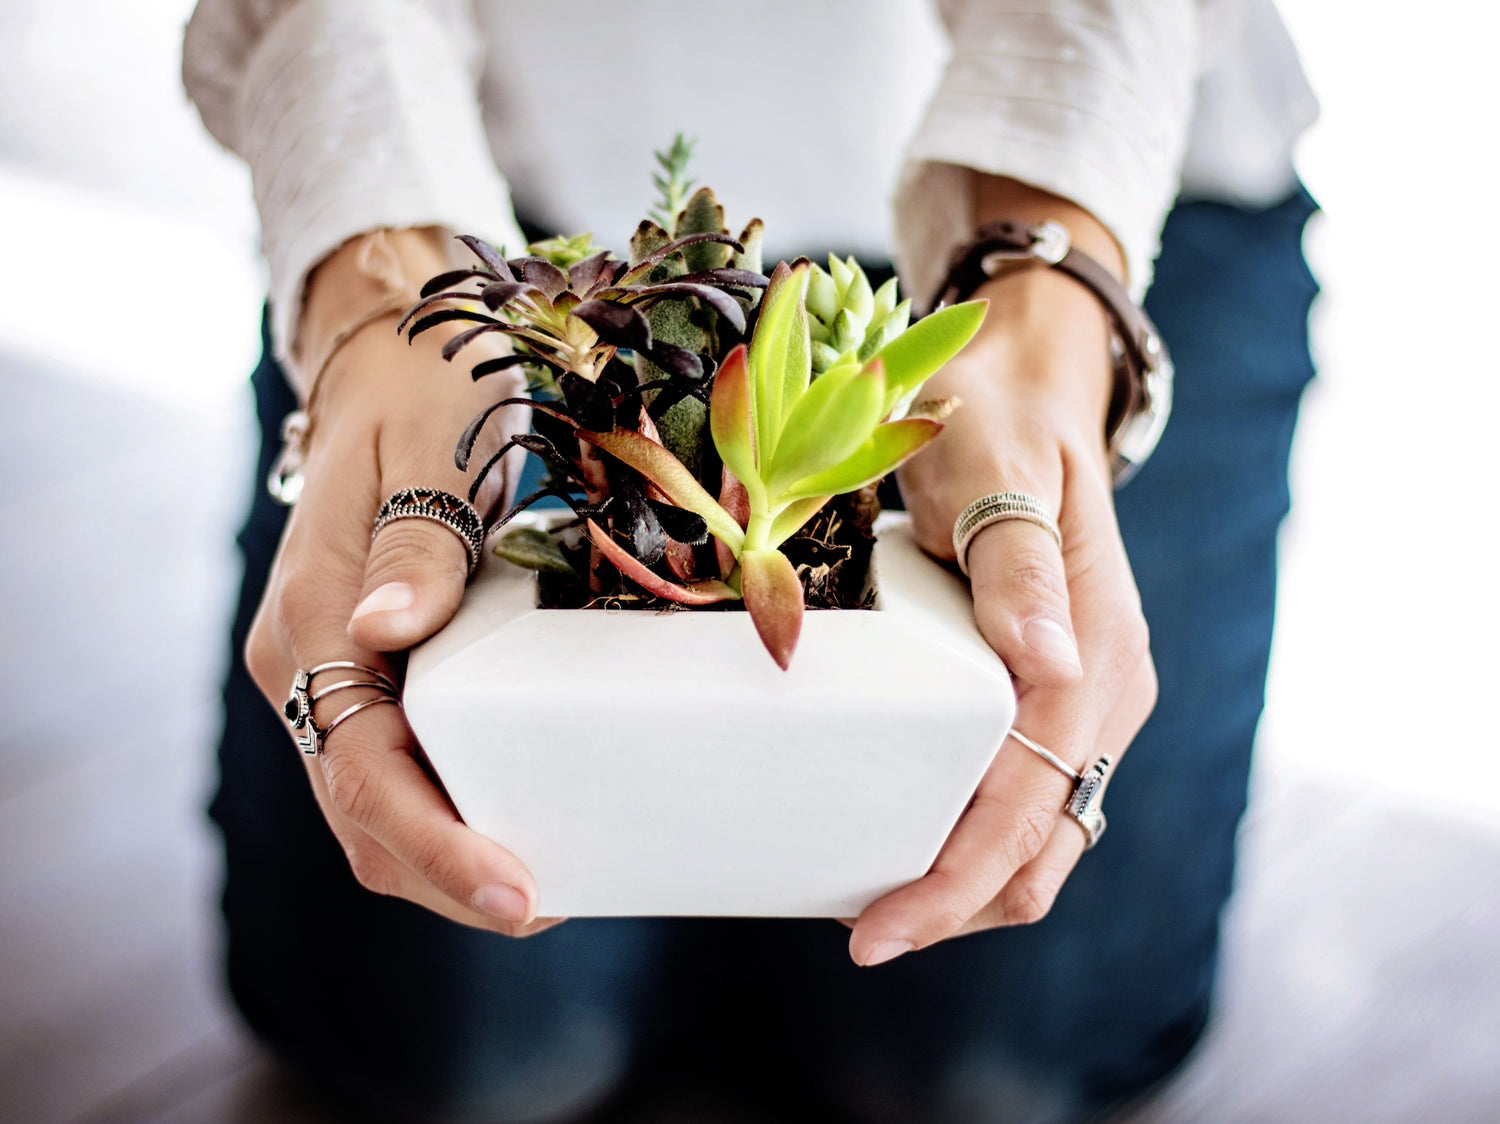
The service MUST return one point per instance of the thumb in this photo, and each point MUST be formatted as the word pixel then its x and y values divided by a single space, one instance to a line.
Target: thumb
pixel 414 580
pixel 1021 602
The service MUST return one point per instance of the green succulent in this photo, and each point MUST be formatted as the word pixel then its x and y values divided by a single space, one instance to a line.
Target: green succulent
pixel 695 414
pixel 845 318
pixel 793 442
pixel 564 252
pixel 672 181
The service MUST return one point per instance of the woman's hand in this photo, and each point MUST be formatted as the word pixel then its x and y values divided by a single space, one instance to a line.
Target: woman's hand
pixel 1034 387
pixel 385 417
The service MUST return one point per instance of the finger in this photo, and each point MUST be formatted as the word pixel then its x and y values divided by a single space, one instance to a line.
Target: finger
pixel 373 781
pixel 1021 602
pixel 1005 826
pixel 1031 892
pixel 413 583
pixel 377 870
pixel 1029 895
pixel 417 568
pixel 367 779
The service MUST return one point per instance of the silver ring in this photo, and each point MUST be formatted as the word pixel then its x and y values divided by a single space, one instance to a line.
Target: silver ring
pixel 458 515
pixel 299 704
pixel 995 508
pixel 1085 802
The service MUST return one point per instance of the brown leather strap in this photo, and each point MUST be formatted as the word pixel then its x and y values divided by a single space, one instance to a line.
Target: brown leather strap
pixel 1139 352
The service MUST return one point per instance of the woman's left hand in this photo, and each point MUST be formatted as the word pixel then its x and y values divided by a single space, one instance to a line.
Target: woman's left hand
pixel 1067 622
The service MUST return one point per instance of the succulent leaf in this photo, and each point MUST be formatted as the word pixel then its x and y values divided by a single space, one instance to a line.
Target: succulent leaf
pixel 828 424
pixel 682 525
pixel 732 421
pixel 680 362
pixel 773 596
pixel 464 338
pixel 534 549
pixel 889 445
pixel 585 275
pixel 453 277
pixel 493 259
pixel 590 404
pixel 792 518
pixel 918 353
pixel 858 298
pixel 564 252
pixel 664 470
pixel 698 593
pixel 505 362
pixel 704 214
pixel 883 331
pixel 780 356
pixel 717 299
pixel 749 257
pixel 544 275
pixel 497 294
pixel 647 239
pixel 639 270
pixel 822 296
pixel 618 325
pixel 672 181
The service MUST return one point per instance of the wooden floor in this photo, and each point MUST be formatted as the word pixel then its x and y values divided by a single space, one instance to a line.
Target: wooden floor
pixel 1360 980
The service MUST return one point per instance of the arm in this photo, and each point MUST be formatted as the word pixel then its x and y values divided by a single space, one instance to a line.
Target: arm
pixel 1035 386
pixel 352 118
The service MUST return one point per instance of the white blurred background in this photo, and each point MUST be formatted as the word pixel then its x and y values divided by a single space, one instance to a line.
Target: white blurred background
pixel 1360 980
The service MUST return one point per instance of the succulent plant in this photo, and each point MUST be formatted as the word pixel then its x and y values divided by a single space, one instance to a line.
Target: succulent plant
pixel 792 442
pixel 569 325
pixel 690 456
pixel 845 317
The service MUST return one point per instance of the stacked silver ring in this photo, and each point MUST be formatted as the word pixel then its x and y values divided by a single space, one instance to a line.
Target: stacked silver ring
pixel 994 508
pixel 458 515
pixel 299 704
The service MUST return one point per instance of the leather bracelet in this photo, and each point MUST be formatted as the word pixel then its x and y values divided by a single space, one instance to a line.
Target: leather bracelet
pixel 1141 399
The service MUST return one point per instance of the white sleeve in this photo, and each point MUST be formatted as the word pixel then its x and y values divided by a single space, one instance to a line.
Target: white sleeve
pixel 352 117
pixel 1087 99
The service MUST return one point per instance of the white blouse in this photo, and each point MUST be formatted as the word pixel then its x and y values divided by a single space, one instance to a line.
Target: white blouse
pixel 841 123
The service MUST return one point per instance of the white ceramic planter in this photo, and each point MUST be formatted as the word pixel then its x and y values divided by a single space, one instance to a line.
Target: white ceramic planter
pixel 660 763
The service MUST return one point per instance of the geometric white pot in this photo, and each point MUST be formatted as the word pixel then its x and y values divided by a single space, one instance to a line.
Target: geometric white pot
pixel 661 764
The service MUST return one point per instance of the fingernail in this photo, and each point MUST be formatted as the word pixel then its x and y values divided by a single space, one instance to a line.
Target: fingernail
pixel 386 599
pixel 887 950
pixel 504 902
pixel 1046 637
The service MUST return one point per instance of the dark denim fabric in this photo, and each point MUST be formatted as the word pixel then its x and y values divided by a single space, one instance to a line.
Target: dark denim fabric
pixel 406 1015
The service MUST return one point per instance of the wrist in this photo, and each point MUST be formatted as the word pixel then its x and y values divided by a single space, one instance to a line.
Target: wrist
pixel 1140 378
pixel 367 279
pixel 1046 342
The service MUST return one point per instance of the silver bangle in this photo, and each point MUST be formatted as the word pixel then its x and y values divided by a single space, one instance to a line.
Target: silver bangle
pixel 995 508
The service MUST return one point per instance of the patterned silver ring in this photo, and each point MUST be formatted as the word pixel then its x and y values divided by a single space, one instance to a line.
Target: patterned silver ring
pixel 995 508
pixel 1085 802
pixel 458 515
pixel 298 709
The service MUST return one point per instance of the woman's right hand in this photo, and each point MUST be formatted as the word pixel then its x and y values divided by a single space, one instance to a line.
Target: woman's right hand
pixel 386 417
